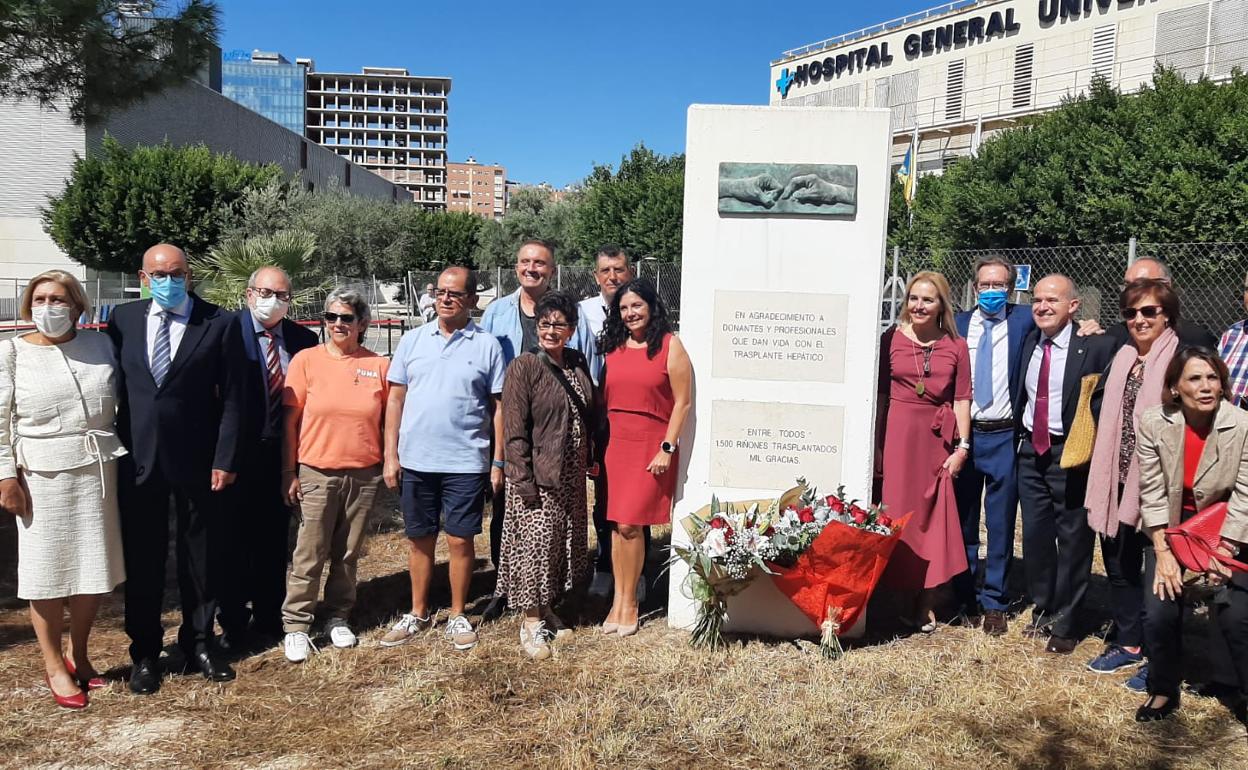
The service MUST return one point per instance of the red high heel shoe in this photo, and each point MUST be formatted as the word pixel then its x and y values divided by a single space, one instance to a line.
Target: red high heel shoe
pixel 76 701
pixel 94 683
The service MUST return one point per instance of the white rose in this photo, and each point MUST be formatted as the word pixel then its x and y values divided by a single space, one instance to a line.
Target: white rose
pixel 714 545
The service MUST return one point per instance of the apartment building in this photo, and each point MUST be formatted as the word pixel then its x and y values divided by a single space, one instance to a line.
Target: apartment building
pixel 268 83
pixel 388 121
pixel 477 188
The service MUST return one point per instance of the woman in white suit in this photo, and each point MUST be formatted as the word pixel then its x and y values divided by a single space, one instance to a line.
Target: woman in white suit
pixel 58 474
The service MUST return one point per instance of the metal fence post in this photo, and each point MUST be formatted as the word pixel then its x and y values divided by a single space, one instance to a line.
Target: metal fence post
pixel 892 287
pixel 558 277
pixel 1131 245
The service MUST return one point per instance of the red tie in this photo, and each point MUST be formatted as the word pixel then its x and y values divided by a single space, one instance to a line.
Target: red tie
pixel 1040 418
pixel 276 378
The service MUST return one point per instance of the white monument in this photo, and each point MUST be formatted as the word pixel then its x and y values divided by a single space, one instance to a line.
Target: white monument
pixel 786 211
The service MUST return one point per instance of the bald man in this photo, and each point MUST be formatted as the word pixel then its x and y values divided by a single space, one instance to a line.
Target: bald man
pixel 179 413
pixel 1190 334
pixel 257 517
pixel 1057 542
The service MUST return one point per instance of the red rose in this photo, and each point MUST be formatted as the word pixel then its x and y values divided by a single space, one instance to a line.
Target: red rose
pixel 884 520
pixel 836 504
pixel 728 533
pixel 718 523
pixel 806 516
pixel 769 531
pixel 858 515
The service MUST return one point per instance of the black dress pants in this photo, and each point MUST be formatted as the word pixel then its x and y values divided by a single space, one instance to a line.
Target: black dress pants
pixel 1163 630
pixel 1123 555
pixel 257 524
pixel 1057 541
pixel 145 512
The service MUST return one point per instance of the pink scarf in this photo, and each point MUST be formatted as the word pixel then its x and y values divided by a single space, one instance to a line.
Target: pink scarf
pixel 1105 512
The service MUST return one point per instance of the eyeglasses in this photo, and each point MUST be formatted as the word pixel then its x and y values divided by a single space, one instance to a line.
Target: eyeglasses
pixel 458 296
pixel 1148 311
pixel 160 275
pixel 552 325
pixel 284 296
pixel 333 318
pixel 993 286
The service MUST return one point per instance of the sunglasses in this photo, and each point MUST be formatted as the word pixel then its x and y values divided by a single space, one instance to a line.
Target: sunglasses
pixel 1148 311
pixel 333 318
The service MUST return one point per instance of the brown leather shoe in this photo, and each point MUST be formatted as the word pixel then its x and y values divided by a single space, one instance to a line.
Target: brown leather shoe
pixel 995 623
pixel 1060 645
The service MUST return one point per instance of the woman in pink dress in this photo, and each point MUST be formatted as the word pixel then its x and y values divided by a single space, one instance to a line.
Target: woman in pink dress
pixel 924 410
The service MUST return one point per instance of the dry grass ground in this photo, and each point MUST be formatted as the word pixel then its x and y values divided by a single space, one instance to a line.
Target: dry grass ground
pixel 955 699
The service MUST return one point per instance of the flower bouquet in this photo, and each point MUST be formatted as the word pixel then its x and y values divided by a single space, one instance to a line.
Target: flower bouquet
pixel 728 546
pixel 824 551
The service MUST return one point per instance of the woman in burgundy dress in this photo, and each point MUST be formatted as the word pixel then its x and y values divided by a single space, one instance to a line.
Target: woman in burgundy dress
pixel 925 403
pixel 647 388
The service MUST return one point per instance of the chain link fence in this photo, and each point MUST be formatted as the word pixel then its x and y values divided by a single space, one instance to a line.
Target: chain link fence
pixel 1208 277
pixel 578 280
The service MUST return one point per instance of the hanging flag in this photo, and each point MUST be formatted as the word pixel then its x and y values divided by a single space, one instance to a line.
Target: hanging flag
pixel 978 137
pixel 908 174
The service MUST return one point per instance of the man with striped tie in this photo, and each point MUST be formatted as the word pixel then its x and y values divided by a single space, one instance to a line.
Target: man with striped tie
pixel 179 413
pixel 256 517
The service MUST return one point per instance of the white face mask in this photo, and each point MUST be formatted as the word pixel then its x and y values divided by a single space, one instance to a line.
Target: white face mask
pixel 53 321
pixel 270 310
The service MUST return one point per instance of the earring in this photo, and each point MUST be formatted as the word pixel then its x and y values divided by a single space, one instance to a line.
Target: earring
pixel 1174 394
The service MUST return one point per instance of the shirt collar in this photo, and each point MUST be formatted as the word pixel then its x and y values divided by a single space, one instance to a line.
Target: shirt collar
pixel 181 310
pixel 1062 340
pixel 435 329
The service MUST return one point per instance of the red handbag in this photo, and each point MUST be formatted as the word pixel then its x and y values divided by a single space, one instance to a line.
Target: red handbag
pixel 1194 543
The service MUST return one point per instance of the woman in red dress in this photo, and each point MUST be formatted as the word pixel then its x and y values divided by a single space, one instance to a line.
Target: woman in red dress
pixel 925 401
pixel 647 387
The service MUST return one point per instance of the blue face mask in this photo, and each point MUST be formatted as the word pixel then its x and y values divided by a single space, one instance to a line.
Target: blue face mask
pixel 168 292
pixel 992 301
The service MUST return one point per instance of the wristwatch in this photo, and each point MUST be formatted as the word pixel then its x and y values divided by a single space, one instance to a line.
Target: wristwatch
pixel 668 447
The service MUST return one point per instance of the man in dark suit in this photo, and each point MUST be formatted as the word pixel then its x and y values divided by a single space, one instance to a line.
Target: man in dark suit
pixel 1190 334
pixel 179 417
pixel 1057 541
pixel 994 332
pixel 256 517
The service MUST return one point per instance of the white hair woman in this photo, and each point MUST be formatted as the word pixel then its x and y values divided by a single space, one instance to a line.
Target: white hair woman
pixel 335 399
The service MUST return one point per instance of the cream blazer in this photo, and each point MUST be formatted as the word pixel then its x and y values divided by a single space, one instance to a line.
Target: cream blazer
pixel 1222 474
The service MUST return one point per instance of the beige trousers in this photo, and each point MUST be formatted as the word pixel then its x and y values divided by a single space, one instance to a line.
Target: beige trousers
pixel 335 511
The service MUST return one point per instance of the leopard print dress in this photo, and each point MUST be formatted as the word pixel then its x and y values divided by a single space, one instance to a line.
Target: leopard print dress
pixel 544 550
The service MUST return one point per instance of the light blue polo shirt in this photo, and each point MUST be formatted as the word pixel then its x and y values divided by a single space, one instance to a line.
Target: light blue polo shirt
pixel 450 382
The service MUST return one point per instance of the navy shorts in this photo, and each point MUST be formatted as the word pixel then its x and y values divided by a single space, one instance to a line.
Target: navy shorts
pixel 451 501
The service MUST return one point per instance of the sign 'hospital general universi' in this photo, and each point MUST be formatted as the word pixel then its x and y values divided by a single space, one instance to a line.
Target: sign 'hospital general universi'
pixel 938 39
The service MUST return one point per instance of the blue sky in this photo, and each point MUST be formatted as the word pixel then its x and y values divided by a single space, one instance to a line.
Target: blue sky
pixel 549 88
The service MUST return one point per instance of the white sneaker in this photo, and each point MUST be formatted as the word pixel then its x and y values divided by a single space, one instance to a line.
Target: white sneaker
pixel 406 629
pixel 459 632
pixel 641 589
pixel 341 634
pixel 533 640
pixel 602 584
pixel 297 646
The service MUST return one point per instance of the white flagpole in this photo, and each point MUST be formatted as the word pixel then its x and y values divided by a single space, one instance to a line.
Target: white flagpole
pixel 978 137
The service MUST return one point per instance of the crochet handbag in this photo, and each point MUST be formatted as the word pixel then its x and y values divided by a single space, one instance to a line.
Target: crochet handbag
pixel 1195 541
pixel 1078 449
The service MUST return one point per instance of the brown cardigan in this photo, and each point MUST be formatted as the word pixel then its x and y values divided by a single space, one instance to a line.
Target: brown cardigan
pixel 537 420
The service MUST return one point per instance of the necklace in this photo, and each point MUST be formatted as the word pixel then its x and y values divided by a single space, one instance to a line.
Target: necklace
pixel 920 387
pixel 348 358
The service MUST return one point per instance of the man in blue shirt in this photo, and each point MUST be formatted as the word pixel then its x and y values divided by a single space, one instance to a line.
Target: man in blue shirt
pixel 513 322
pixel 437 447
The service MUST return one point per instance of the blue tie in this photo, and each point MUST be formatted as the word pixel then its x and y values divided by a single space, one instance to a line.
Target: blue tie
pixel 983 365
pixel 160 351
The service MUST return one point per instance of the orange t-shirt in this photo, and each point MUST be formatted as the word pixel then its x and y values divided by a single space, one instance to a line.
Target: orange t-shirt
pixel 343 402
